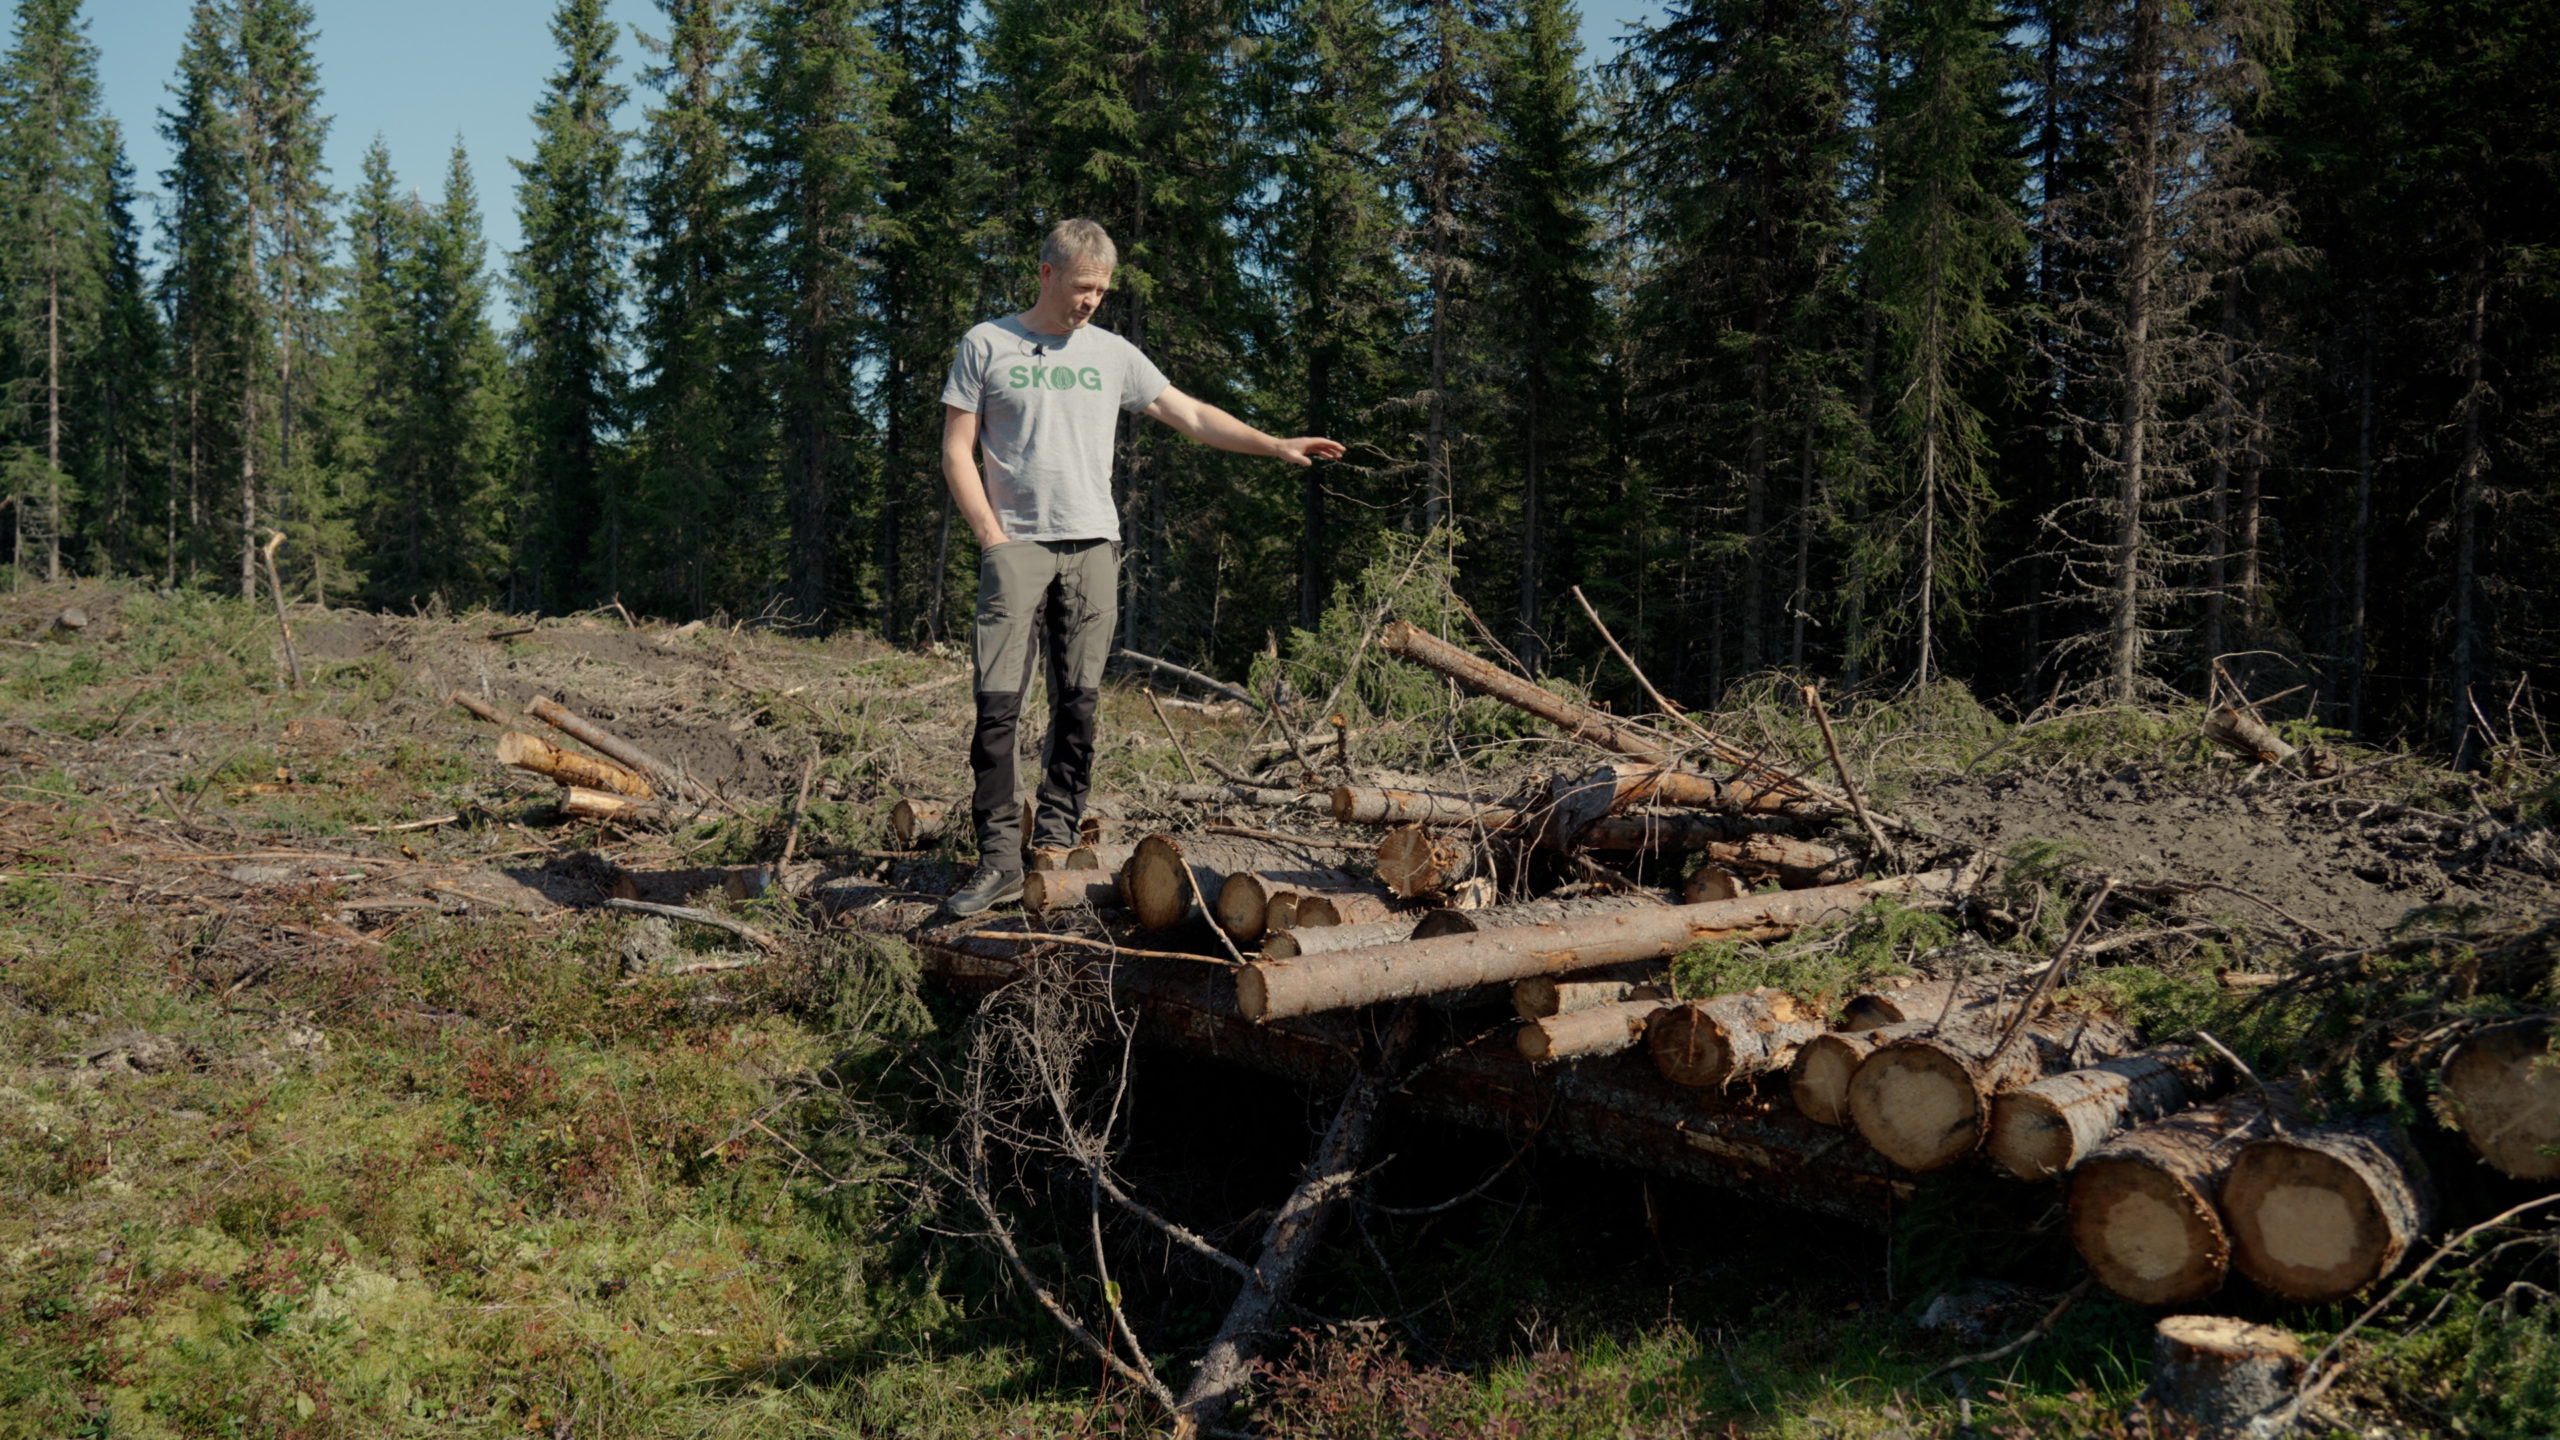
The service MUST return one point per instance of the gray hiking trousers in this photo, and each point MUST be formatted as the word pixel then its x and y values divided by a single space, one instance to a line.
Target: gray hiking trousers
pixel 1053 598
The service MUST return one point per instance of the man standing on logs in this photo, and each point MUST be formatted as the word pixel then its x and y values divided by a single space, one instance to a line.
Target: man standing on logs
pixel 1041 394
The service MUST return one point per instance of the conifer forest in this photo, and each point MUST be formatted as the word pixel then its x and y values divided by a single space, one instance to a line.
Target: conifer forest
pixel 2053 347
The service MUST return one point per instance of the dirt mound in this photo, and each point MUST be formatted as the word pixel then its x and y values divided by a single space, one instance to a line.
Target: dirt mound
pixel 2352 868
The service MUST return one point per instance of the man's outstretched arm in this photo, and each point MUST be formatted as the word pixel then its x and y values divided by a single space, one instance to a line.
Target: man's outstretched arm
pixel 960 472
pixel 1216 428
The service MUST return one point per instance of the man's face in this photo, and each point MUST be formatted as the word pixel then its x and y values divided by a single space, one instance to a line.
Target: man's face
pixel 1078 286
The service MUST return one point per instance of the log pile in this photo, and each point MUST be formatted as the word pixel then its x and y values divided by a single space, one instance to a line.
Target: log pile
pixel 2175 1174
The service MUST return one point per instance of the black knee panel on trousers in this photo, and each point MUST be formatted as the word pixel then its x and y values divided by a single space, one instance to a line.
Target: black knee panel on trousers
pixel 1068 778
pixel 993 806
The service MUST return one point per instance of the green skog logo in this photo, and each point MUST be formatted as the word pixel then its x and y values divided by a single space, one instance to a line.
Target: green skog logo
pixel 1053 377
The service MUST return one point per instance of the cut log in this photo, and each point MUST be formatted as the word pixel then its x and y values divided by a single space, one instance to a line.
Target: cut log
pixel 1710 881
pixel 2502 1088
pixel 1598 1030
pixel 1707 1044
pixel 2217 1374
pixel 1819 1079
pixel 1924 1101
pixel 1047 891
pixel 1373 805
pixel 1244 897
pixel 580 803
pixel 2239 731
pixel 1093 855
pixel 2042 1130
pixel 597 738
pixel 1281 913
pixel 1318 909
pixel 1577 721
pixel 1912 998
pixel 1159 895
pixel 1575 803
pixel 1317 940
pixel 481 708
pixel 1532 912
pixel 2143 1213
pixel 2317 1215
pixel 1309 984
pixel 1413 861
pixel 914 821
pixel 1580 722
pixel 1540 996
pixel 532 752
pixel 1798 864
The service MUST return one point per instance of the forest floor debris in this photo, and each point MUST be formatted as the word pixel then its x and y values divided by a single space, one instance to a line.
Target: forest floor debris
pixel 346 1104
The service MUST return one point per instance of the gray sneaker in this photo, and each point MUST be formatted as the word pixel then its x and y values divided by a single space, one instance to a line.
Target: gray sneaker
pixel 986 890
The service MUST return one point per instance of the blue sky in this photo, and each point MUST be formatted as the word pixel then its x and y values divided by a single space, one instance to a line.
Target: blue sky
pixel 421 74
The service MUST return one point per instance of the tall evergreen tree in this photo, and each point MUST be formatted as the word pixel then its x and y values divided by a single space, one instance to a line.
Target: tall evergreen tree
pixel 1542 279
pixel 569 286
pixel 57 155
pixel 702 492
pixel 1937 254
pixel 939 225
pixel 204 243
pixel 1334 253
pixel 1446 136
pixel 2148 246
pixel 122 389
pixel 814 157
pixel 274 93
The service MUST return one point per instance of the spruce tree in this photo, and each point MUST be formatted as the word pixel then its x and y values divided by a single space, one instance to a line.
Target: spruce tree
pixel 204 241
pixel 123 398
pixel 1542 265
pixel 1445 139
pixel 58 237
pixel 1937 255
pixel 703 499
pixel 1333 250
pixel 928 281
pixel 569 285
pixel 274 93
pixel 814 157
pixel 369 397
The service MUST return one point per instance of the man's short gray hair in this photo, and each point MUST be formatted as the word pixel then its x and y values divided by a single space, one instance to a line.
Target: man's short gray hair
pixel 1078 240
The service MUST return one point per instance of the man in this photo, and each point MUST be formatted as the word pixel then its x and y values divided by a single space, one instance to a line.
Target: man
pixel 1041 392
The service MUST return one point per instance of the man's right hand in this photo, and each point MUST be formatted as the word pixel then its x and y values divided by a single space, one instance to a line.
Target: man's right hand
pixel 988 540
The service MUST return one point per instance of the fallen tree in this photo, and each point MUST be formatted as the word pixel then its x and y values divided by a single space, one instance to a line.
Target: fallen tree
pixel 1308 984
pixel 2144 1209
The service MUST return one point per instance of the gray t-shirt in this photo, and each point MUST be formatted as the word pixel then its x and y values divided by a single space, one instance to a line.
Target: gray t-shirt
pixel 1048 409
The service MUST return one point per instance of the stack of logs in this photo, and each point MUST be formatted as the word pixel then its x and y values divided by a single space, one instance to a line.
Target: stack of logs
pixel 2174 1177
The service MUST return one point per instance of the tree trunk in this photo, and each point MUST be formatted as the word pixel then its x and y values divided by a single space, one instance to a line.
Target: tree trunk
pixel 1414 862
pixel 532 752
pixel 1595 1030
pixel 1245 895
pixel 1798 864
pixel 1531 912
pixel 1369 805
pixel 1332 909
pixel 1540 996
pixel 1577 721
pixel 2216 1374
pixel 2363 535
pixel 1048 891
pixel 2464 664
pixel 1915 999
pixel 912 822
pixel 2317 1215
pixel 2237 730
pixel 1707 1044
pixel 2043 1130
pixel 2502 1085
pixel 580 803
pixel 1161 897
pixel 1924 1100
pixel 596 737
pixel 2142 1208
pixel 2142 121
pixel 1274 989
pixel 1282 944
pixel 1290 1243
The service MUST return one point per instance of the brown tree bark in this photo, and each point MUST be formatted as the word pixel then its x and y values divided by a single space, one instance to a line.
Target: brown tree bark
pixel 2217 1374
pixel 1320 939
pixel 1712 1043
pixel 1270 989
pixel 595 737
pixel 1532 912
pixel 1159 895
pixel 580 803
pixel 1372 805
pixel 1540 996
pixel 1328 909
pixel 532 752
pixel 2317 1215
pixel 2043 1130
pixel 2142 1209
pixel 1244 897
pixel 1891 1003
pixel 2502 1085
pixel 1596 1030
pixel 1413 861
pixel 1924 1101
